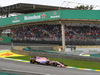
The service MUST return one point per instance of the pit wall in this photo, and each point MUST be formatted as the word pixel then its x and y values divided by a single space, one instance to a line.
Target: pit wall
pixel 38 47
pixel 56 48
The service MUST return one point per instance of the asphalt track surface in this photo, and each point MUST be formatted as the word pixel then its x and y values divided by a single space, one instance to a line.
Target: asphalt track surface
pixel 41 69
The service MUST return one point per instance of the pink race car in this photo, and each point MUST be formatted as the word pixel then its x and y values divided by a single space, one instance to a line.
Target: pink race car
pixel 44 60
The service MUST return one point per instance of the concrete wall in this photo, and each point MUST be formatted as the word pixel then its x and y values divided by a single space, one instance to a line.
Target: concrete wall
pixel 41 48
pixel 52 55
pixel 38 47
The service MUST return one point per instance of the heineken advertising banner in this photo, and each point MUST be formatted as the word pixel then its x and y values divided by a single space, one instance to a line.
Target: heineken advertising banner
pixel 51 15
pixel 30 18
pixel 5 39
pixel 81 14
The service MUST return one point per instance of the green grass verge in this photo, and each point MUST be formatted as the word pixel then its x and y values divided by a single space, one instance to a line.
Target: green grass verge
pixel 74 63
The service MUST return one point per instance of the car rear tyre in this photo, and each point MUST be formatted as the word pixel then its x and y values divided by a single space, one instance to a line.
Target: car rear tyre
pixel 47 63
pixel 32 61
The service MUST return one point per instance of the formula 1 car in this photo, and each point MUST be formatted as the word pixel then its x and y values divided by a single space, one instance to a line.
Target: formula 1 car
pixel 45 61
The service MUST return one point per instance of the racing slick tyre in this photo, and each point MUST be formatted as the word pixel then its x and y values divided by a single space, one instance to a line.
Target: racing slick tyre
pixel 32 61
pixel 54 64
pixel 47 63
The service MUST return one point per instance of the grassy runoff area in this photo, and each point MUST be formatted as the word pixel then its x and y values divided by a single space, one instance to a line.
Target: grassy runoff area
pixel 73 63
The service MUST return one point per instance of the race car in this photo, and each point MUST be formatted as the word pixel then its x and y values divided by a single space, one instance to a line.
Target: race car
pixel 45 61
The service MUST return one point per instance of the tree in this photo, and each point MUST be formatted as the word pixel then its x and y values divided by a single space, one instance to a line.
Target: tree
pixel 83 7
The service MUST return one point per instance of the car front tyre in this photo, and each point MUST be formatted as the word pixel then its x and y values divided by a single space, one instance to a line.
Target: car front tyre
pixel 54 64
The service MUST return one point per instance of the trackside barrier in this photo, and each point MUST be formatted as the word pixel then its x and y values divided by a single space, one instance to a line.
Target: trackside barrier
pixel 78 51
pixel 56 55
pixel 93 51
pixel 5 73
pixel 95 55
pixel 48 51
pixel 42 50
pixel 17 72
